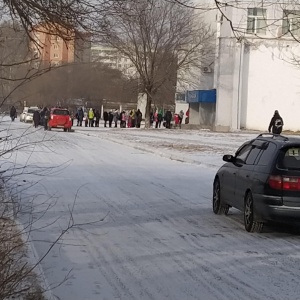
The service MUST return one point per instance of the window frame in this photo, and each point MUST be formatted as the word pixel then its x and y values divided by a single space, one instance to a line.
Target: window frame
pixel 289 23
pixel 255 18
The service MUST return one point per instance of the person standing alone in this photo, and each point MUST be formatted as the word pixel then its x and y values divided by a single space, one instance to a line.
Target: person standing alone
pixel 36 118
pixel 13 113
pixel 276 123
pixel 46 118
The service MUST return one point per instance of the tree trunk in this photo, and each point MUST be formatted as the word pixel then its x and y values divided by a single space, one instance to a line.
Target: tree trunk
pixel 148 110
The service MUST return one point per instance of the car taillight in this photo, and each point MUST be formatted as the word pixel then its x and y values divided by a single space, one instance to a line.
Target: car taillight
pixel 284 183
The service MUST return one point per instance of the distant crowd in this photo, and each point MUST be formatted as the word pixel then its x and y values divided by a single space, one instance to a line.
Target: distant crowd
pixel 112 118
pixel 126 119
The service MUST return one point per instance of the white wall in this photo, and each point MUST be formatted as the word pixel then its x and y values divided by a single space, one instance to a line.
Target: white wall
pixel 274 83
pixel 224 85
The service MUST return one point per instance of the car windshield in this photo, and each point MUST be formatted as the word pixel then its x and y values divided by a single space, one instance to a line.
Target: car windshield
pixel 290 159
pixel 60 112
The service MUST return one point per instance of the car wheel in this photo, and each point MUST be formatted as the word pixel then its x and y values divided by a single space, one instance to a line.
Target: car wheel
pixel 218 207
pixel 250 224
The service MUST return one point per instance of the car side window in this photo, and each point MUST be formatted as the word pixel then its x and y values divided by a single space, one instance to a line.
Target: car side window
pixel 253 156
pixel 267 155
pixel 243 153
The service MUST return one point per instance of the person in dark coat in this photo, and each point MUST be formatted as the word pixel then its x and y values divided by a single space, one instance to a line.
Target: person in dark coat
pixel 36 118
pixel 110 118
pixel 42 116
pixel 105 117
pixel 79 116
pixel 168 118
pixel 276 123
pixel 46 118
pixel 138 117
pixel 12 113
pixel 97 118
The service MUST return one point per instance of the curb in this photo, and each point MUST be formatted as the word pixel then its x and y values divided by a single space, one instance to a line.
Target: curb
pixel 33 259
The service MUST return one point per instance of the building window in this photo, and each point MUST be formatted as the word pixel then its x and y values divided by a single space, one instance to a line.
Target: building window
pixel 55 47
pixel 55 55
pixel 256 22
pixel 291 22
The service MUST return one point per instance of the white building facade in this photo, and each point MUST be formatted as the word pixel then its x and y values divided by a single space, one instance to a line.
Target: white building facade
pixel 255 71
pixel 111 57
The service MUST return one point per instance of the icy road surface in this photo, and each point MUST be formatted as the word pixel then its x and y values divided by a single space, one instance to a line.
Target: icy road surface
pixel 139 204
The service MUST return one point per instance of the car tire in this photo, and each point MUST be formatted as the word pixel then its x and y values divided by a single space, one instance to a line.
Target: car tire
pixel 218 207
pixel 249 219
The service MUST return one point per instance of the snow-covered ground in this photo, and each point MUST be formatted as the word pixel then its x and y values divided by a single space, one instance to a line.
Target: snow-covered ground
pixel 140 203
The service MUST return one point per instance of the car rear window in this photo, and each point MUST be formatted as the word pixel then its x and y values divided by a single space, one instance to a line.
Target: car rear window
pixel 31 111
pixel 60 112
pixel 291 159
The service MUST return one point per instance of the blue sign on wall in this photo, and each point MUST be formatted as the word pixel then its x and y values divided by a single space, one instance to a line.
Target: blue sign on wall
pixel 201 96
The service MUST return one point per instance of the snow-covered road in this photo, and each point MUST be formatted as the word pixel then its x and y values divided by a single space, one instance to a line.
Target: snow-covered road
pixel 144 227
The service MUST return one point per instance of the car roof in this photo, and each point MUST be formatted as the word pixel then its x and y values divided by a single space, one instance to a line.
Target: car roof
pixel 278 139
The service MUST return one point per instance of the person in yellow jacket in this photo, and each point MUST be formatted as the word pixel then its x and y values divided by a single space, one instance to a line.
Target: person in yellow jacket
pixel 91 116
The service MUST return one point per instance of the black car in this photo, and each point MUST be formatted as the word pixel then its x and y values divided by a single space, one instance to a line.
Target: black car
pixel 262 180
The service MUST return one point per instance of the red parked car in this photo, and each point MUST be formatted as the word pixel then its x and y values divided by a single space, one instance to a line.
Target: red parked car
pixel 60 118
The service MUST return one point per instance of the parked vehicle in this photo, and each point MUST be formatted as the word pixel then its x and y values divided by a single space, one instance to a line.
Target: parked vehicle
pixel 60 118
pixel 29 114
pixel 262 180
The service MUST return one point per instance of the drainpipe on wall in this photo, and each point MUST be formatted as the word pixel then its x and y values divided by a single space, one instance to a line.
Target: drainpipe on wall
pixel 217 64
pixel 240 84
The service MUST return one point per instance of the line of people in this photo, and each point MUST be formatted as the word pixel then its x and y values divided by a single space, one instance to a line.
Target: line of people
pixel 130 119
pixel 91 118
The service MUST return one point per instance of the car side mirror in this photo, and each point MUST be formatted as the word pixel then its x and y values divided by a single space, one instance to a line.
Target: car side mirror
pixel 228 158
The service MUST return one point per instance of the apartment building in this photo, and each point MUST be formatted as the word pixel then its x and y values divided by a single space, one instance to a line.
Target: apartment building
pixel 111 57
pixel 55 46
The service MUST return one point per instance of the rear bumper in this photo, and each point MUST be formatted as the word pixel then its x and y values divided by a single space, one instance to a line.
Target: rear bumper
pixel 55 125
pixel 284 213
pixel 266 208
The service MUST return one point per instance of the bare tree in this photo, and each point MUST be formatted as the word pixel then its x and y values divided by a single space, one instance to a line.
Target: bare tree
pixel 19 275
pixel 162 40
pixel 90 81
